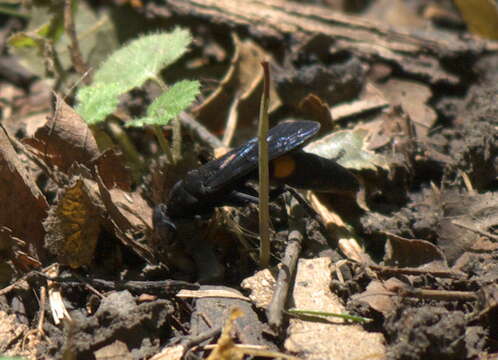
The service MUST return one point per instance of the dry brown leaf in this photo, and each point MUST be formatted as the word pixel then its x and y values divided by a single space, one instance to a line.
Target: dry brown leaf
pixel 73 225
pixel 11 248
pixel 378 295
pixel 391 126
pixel 314 107
pixel 370 99
pixel 111 168
pixel 24 206
pixel 65 138
pixel 127 214
pixel 412 96
pixel 465 219
pixel 236 96
pixel 415 253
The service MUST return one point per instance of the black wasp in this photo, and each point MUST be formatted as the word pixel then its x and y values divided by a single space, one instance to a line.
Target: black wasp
pixel 224 181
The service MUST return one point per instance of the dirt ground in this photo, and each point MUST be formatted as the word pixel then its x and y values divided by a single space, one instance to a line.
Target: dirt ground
pixel 403 241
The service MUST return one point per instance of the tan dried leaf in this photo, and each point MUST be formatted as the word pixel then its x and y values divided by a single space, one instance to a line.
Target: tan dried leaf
pixel 403 252
pixel 412 96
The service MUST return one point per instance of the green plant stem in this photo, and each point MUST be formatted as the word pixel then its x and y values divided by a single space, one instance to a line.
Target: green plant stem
pixel 163 142
pixel 126 145
pixel 161 139
pixel 264 173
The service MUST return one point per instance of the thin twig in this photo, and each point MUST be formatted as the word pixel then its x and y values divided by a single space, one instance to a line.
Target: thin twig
pixel 445 295
pixel 74 49
pixel 287 269
pixel 411 271
pixel 191 341
pixel 153 287
pixel 482 232
pixel 285 277
pixel 43 303
pixel 199 131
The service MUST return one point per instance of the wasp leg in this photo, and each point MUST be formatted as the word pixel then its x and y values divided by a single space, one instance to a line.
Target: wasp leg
pixel 247 195
pixel 307 207
pixel 163 225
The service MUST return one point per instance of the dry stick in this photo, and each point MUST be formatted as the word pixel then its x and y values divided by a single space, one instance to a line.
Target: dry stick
pixel 9 288
pixel 387 270
pixel 177 140
pixel 153 287
pixel 444 295
pixel 199 131
pixel 285 277
pixel 287 269
pixel 264 172
pixel 188 343
pixel 74 48
pixel 43 303
pixel 479 231
pixel 192 341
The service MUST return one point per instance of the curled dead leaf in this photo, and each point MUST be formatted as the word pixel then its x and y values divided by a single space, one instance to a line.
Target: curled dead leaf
pixel 65 139
pixel 403 252
pixel 236 99
pixel 24 206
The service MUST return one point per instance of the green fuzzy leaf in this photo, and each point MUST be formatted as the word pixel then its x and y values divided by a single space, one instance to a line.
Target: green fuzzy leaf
pixel 170 104
pixel 97 101
pixel 143 59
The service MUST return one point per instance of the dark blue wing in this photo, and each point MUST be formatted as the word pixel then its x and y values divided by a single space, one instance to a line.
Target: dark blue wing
pixel 239 162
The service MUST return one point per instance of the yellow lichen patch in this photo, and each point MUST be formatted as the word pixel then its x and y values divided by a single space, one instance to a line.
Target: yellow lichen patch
pixel 73 226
